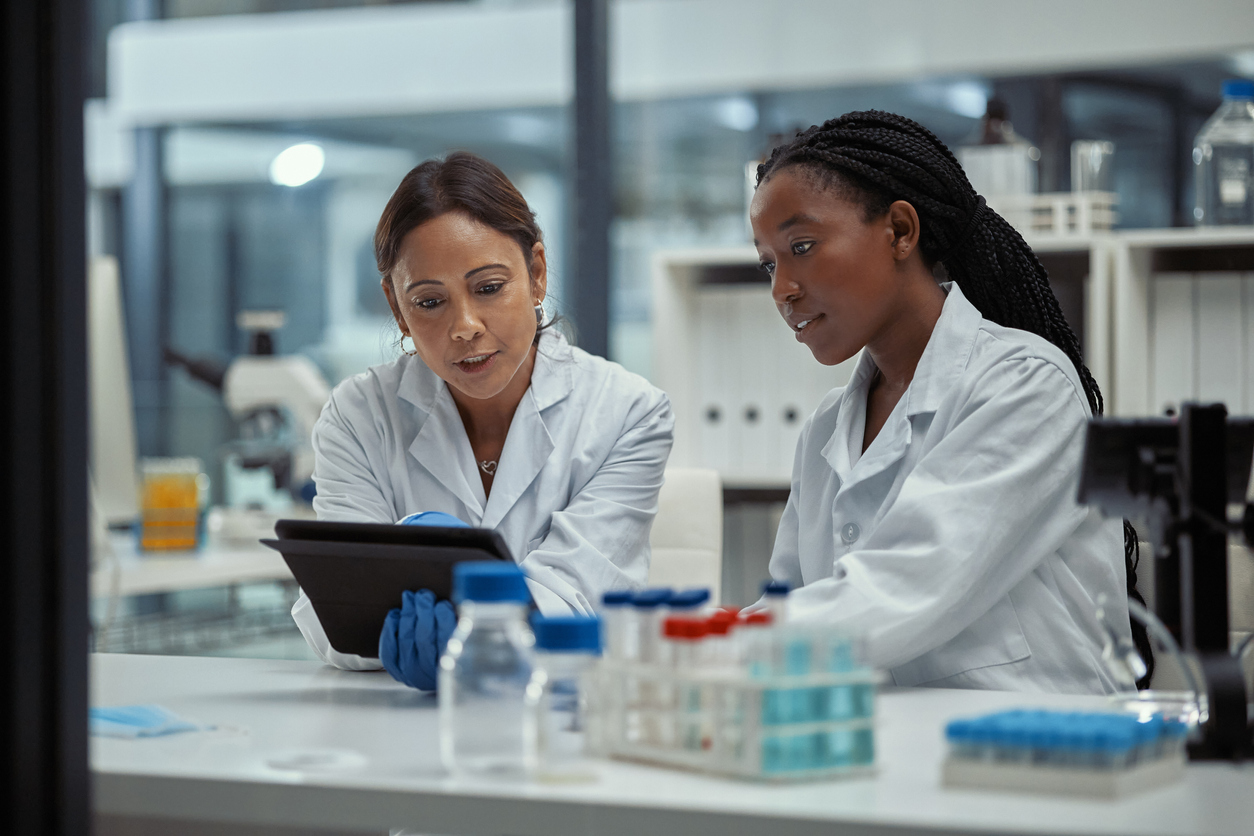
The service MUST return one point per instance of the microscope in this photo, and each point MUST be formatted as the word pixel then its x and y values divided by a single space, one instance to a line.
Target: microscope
pixel 1186 478
pixel 275 399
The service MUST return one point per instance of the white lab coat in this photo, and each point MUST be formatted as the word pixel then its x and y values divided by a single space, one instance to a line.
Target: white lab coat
pixel 954 544
pixel 575 491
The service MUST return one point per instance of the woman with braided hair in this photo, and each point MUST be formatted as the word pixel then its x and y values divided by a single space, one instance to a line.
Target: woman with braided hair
pixel 933 500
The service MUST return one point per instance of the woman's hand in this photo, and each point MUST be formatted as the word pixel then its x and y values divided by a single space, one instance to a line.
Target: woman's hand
pixel 413 638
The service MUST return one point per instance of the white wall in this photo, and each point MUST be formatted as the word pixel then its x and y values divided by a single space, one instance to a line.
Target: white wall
pixel 434 57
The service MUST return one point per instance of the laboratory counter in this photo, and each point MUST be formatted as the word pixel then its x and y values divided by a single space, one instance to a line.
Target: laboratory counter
pixel 301 747
pixel 129 571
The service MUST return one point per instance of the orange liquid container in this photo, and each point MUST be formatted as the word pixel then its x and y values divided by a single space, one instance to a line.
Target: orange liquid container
pixel 170 504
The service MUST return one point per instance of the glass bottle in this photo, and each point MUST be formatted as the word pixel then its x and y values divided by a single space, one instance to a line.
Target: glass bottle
pixel 484 673
pixel 560 695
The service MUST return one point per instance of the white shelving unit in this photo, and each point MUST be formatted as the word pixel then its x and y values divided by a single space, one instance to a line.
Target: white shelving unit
pixel 1182 323
pixel 741 386
pixel 1167 315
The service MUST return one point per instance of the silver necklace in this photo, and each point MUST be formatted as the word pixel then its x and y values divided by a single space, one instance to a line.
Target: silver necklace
pixel 488 467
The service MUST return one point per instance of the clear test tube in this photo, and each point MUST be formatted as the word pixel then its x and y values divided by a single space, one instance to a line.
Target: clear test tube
pixel 688 602
pixel 720 638
pixel 753 645
pixel 615 617
pixel 648 609
pixel 685 636
pixel 648 689
pixel 775 596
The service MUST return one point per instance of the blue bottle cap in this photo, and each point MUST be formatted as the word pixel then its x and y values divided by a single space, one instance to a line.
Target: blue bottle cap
pixel 689 599
pixel 617 597
pixel 489 580
pixel 775 588
pixel 959 731
pixel 567 633
pixel 1238 88
pixel 650 598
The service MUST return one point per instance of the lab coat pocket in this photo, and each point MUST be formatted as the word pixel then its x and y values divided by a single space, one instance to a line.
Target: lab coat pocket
pixel 995 638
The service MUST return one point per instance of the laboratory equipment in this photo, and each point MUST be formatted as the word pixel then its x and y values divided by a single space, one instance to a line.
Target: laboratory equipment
pixel 1092 163
pixel 276 399
pixel 170 503
pixel 1223 160
pixel 999 162
pixel 561 685
pixel 1177 475
pixel 1091 754
pixel 741 697
pixel 485 671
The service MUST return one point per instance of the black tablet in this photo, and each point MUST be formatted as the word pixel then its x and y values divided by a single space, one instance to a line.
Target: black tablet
pixel 354 573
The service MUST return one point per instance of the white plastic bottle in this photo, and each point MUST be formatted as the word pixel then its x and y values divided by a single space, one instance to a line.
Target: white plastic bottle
pixel 484 674
pixel 1223 160
pixel 559 696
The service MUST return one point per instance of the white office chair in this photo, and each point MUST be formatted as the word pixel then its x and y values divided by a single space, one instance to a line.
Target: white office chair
pixel 687 536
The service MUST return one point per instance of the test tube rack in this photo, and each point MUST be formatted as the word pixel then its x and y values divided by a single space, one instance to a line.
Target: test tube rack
pixel 781 728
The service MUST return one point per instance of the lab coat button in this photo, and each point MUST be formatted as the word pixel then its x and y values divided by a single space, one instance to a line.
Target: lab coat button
pixel 849 533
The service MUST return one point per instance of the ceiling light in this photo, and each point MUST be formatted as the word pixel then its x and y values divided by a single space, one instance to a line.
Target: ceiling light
pixel 297 165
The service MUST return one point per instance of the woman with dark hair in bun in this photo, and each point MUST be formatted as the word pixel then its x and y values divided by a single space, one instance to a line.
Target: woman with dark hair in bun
pixel 492 418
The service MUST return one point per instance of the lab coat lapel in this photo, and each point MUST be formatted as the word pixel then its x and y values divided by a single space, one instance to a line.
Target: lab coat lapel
pixel 442 446
pixel 947 353
pixel 852 406
pixel 527 447
pixel 887 448
pixel 529 442
pixel 943 360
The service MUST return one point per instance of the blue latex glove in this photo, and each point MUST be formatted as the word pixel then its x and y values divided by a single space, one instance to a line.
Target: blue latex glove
pixel 414 636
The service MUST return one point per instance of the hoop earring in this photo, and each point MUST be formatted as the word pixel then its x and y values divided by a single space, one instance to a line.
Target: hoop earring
pixel 411 339
pixel 539 314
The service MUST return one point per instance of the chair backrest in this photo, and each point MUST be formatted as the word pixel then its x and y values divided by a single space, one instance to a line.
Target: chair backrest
pixel 687 535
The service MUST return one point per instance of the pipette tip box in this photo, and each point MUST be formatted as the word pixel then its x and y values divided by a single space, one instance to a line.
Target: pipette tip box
pixel 1091 755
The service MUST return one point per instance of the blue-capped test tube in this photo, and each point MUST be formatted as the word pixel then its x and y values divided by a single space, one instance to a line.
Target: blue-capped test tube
pixel 620 642
pixel 688 601
pixel 649 608
pixel 775 597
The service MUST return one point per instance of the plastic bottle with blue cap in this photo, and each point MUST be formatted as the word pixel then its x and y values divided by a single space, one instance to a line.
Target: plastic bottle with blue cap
pixel 485 672
pixel 1223 160
pixel 558 696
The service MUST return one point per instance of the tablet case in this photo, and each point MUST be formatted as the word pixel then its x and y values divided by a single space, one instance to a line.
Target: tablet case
pixel 354 573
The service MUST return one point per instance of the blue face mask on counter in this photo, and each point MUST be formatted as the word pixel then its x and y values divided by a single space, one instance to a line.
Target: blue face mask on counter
pixel 134 721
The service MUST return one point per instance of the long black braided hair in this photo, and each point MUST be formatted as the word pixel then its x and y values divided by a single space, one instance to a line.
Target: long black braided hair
pixel 874 158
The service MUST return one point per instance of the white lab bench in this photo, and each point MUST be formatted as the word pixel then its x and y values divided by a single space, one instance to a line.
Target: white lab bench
pixel 215 564
pixel 268 711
